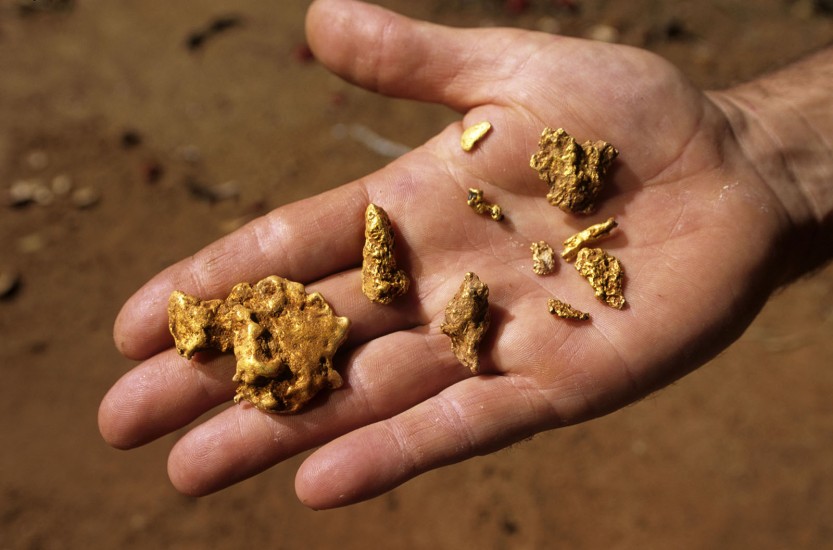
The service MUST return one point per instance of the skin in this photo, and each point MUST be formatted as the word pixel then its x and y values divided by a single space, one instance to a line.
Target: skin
pixel 703 217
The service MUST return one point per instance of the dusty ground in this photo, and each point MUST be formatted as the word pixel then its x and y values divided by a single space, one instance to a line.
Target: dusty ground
pixel 736 455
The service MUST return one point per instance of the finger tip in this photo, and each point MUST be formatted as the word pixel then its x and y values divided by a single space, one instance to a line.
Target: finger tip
pixel 111 422
pixel 332 477
pixel 140 328
pixel 204 460
pixel 340 32
pixel 182 476
pixel 308 488
pixel 324 21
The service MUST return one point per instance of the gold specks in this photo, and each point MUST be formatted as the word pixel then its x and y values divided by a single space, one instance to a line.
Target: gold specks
pixel 473 134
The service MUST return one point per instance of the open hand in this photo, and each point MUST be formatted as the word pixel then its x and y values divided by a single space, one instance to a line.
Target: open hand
pixel 698 227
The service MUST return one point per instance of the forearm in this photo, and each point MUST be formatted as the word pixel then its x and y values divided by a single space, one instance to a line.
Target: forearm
pixel 784 123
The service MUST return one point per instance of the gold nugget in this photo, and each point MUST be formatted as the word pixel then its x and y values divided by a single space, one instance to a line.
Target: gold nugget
pixel 473 134
pixel 589 235
pixel 475 200
pixel 574 173
pixel 467 319
pixel 543 258
pixel 382 281
pixel 565 310
pixel 604 273
pixel 283 339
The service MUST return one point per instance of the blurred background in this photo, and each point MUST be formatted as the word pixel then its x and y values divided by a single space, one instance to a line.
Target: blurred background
pixel 134 133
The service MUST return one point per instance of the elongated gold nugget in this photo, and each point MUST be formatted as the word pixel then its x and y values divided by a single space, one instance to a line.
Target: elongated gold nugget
pixel 565 310
pixel 382 280
pixel 467 319
pixel 604 273
pixel 586 237
pixel 283 339
pixel 473 134
pixel 475 200
pixel 574 173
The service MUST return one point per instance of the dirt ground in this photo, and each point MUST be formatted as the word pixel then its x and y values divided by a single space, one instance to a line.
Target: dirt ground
pixel 148 138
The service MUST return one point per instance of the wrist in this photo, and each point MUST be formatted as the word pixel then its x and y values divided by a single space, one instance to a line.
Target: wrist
pixel 784 125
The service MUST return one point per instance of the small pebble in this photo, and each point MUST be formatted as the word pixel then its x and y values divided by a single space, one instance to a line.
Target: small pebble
pixel 43 196
pixel 21 192
pixel 226 190
pixel 548 24
pixel 603 33
pixel 85 197
pixel 61 185
pixel 9 281
pixel 213 193
pixel 31 243
pixel 37 159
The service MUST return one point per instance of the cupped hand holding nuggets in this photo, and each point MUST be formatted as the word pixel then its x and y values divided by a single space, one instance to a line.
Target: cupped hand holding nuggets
pixel 700 228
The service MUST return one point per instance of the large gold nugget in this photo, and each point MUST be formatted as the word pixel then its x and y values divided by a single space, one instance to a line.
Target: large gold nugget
pixel 574 173
pixel 467 319
pixel 604 273
pixel 382 281
pixel 587 236
pixel 283 339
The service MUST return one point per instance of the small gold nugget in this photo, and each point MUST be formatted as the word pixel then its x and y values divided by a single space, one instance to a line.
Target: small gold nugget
pixel 565 310
pixel 574 173
pixel 543 258
pixel 475 200
pixel 473 134
pixel 604 273
pixel 467 319
pixel 382 281
pixel 283 339
pixel 584 238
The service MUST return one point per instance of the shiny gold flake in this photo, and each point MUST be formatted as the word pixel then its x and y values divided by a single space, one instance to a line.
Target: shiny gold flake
pixel 586 237
pixel 473 134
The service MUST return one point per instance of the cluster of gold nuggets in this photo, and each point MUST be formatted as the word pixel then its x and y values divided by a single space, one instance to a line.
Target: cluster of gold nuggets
pixel 284 338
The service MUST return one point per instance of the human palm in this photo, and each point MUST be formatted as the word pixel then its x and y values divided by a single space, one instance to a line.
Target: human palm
pixel 696 227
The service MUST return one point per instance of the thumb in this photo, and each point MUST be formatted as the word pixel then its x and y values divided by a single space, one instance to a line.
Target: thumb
pixel 397 56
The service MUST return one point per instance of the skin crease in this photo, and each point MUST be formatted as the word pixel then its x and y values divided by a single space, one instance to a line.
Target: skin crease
pixel 684 190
